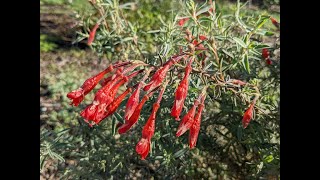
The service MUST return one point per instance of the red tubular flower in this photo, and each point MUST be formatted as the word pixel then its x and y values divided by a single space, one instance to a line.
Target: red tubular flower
pixel 92 34
pixel 202 37
pixel 274 22
pixel 149 127
pixel 247 116
pixel 181 93
pixel 187 120
pixel 135 116
pixel 143 148
pixel 265 53
pixel 182 21
pixel 195 127
pixel 133 101
pixel 160 74
pixel 268 61
pixel 77 95
pixel 266 56
pixel 112 107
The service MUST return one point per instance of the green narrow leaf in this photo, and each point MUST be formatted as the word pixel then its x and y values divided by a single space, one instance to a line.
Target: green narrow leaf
pixel 42 160
pixel 118 117
pixel 245 63
pixel 180 153
pixel 113 126
pixel 57 156
pixel 203 10
pixel 240 42
pixel 227 53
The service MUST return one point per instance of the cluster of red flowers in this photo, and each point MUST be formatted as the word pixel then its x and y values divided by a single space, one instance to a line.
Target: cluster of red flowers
pixel 106 101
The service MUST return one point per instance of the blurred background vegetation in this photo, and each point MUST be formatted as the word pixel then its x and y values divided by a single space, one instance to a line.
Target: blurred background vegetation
pixel 71 150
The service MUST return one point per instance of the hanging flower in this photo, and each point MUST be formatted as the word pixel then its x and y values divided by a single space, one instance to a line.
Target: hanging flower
pixel 247 116
pixel 148 129
pixel 275 22
pixel 187 120
pixel 181 93
pixel 92 34
pixel 135 116
pixel 160 74
pixel 195 127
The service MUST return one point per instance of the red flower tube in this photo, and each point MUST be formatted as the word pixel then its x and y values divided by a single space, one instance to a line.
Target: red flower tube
pixel 275 22
pixel 265 53
pixel 181 93
pixel 135 116
pixel 195 127
pixel 247 116
pixel 160 74
pixel 112 107
pixel 133 100
pixel 202 37
pixel 182 21
pixel 92 34
pixel 143 148
pixel 187 120
pixel 77 95
pixel 148 129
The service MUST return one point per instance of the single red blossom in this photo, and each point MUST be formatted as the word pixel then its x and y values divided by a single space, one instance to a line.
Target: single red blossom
pixel 268 61
pixel 275 22
pixel 158 77
pixel 182 21
pixel 135 116
pixel 202 37
pixel 160 74
pixel 187 120
pixel 247 116
pixel 265 53
pixel 181 92
pixel 132 103
pixel 92 34
pixel 77 95
pixel 148 129
pixel 143 148
pixel 195 127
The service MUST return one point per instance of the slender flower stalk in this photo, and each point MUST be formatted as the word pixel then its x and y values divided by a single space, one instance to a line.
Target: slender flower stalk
pixel 181 92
